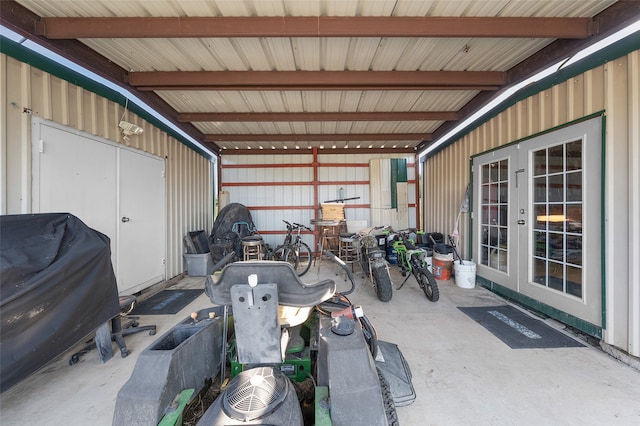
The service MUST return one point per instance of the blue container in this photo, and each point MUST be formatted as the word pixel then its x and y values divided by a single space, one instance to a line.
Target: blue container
pixel 392 256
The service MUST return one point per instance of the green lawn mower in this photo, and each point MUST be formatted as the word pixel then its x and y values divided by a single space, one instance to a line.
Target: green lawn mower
pixel 298 354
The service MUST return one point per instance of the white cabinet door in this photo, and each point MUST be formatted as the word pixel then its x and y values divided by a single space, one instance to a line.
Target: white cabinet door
pixel 141 248
pixel 101 183
pixel 73 176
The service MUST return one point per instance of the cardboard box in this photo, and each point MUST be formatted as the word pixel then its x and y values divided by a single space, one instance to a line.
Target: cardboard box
pixel 332 211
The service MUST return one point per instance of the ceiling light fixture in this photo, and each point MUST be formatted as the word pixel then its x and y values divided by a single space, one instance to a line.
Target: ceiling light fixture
pixel 129 129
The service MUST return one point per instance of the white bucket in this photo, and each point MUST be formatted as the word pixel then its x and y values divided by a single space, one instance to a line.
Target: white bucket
pixel 465 273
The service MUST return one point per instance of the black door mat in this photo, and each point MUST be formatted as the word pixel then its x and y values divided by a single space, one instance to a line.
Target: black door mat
pixel 517 329
pixel 167 302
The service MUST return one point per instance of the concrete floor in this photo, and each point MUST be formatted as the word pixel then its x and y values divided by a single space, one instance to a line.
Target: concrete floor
pixel 462 374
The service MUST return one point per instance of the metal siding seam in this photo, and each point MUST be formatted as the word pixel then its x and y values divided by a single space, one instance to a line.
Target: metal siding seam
pixel 634 207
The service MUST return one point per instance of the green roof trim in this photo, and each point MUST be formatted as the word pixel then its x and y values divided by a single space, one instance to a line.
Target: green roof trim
pixel 614 51
pixel 28 56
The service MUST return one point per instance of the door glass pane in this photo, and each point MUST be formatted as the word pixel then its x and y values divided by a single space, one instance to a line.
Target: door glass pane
pixel 556 246
pixel 503 165
pixel 555 158
pixel 556 217
pixel 574 155
pixel 493 172
pixel 557 225
pixel 540 222
pixel 574 186
pixel 485 215
pixel 503 219
pixel 540 271
pixel 574 218
pixel 485 193
pixel 540 244
pixel 494 210
pixel 493 193
pixel 555 276
pixel 574 280
pixel 503 193
pixel 556 188
pixel 540 163
pixel 540 189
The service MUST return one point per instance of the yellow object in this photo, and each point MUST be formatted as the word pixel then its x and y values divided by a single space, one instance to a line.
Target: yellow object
pixel 332 211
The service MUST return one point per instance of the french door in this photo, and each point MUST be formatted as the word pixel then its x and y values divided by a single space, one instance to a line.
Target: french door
pixel 537 218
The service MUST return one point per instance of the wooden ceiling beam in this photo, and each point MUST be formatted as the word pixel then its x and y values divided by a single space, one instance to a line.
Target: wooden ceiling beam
pixel 317 80
pixel 189 117
pixel 324 137
pixel 317 26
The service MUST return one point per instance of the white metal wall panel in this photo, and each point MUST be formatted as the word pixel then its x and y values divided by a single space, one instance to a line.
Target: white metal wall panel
pixel 270 198
pixel 266 158
pixel 189 177
pixel 278 174
pixel 613 88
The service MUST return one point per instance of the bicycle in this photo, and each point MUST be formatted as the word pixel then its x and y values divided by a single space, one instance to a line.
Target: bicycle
pixel 294 251
pixel 413 261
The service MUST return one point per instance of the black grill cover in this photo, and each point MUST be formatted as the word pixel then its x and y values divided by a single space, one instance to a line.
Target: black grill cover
pixel 232 224
pixel 57 286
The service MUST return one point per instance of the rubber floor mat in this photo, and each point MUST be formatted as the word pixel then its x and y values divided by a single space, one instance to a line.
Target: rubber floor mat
pixel 517 329
pixel 166 302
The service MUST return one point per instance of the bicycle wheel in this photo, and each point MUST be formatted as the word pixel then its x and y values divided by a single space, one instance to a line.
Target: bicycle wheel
pixel 303 253
pixel 290 257
pixel 382 281
pixel 428 284
pixel 278 253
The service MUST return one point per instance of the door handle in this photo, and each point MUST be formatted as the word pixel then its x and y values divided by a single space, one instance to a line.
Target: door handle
pixel 125 219
pixel 521 222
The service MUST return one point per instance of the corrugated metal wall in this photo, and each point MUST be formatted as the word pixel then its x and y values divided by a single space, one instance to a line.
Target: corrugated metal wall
pixel 27 90
pixel 614 88
pixel 277 186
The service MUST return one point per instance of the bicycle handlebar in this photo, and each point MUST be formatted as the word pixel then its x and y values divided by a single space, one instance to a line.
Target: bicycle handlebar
pixel 293 226
pixel 299 225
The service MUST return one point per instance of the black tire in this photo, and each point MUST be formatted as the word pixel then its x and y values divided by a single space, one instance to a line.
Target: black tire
pixel 387 400
pixel 428 284
pixel 278 254
pixel 303 253
pixel 291 258
pixel 382 282
pixel 364 263
pixel 370 336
